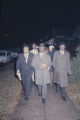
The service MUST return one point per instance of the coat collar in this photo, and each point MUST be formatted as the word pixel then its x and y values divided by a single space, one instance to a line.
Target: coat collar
pixel 28 57
pixel 63 54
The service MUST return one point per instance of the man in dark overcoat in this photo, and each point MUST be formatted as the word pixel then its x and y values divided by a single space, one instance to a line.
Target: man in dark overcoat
pixel 25 69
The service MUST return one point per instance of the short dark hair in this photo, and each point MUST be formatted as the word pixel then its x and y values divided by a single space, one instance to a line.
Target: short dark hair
pixel 62 43
pixel 34 44
pixel 25 45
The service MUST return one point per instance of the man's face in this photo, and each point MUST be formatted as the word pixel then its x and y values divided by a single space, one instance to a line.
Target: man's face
pixel 41 49
pixel 34 46
pixel 62 47
pixel 26 50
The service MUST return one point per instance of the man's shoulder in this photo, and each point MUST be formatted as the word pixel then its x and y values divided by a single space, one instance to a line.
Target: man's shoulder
pixel 31 54
pixel 67 53
pixel 31 51
pixel 36 56
pixel 21 54
pixel 56 52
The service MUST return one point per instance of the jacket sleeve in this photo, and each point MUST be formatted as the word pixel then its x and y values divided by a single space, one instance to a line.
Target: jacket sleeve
pixel 18 63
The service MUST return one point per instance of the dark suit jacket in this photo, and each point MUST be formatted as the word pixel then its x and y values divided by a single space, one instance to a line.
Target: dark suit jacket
pixel 22 66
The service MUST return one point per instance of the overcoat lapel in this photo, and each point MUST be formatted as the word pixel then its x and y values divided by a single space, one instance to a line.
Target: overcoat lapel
pixel 28 58
pixel 24 59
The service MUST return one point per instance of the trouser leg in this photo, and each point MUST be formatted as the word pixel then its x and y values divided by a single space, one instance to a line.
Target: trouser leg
pixel 40 89
pixel 44 91
pixel 63 93
pixel 24 84
pixel 57 87
pixel 51 77
pixel 28 86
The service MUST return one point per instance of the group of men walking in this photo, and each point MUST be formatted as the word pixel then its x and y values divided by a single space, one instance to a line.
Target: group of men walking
pixel 43 67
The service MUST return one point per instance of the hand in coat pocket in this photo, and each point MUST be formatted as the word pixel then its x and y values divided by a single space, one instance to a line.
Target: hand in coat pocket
pixel 43 66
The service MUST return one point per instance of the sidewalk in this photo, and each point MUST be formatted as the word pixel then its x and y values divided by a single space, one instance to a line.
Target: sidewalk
pixel 53 109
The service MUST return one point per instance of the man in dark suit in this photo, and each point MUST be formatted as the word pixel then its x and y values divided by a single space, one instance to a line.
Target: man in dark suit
pixel 25 69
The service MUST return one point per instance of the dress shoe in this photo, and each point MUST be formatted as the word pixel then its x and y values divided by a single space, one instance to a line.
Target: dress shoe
pixel 26 98
pixel 39 94
pixel 43 101
pixel 57 87
pixel 64 98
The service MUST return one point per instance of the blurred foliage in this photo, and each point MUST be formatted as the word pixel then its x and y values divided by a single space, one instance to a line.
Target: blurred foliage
pixel 75 66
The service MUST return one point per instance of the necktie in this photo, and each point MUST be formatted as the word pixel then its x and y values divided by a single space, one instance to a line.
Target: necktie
pixel 62 52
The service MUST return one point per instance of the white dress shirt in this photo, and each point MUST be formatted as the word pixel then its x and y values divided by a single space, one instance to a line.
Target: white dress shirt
pixel 34 51
pixel 26 56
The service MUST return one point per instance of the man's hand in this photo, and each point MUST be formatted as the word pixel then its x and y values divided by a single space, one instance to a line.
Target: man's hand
pixel 43 66
pixel 70 73
pixel 19 75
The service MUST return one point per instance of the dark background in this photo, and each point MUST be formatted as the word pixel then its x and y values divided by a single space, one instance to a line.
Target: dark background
pixel 25 21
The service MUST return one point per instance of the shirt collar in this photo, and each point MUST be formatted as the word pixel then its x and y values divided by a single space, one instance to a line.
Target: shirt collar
pixel 41 54
pixel 62 52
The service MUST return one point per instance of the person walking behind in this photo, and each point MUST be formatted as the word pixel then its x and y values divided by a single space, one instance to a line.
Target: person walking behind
pixel 42 64
pixel 25 69
pixel 34 49
pixel 51 53
pixel 35 52
pixel 61 64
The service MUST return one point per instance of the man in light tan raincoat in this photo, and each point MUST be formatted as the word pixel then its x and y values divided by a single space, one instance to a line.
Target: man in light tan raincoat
pixel 61 64
pixel 42 64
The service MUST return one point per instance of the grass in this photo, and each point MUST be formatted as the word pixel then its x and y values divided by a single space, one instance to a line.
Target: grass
pixel 10 90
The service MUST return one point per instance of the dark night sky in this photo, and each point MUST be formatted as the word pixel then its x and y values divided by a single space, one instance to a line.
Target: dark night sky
pixel 27 21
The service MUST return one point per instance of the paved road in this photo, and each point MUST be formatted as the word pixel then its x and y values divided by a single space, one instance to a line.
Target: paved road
pixel 54 109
